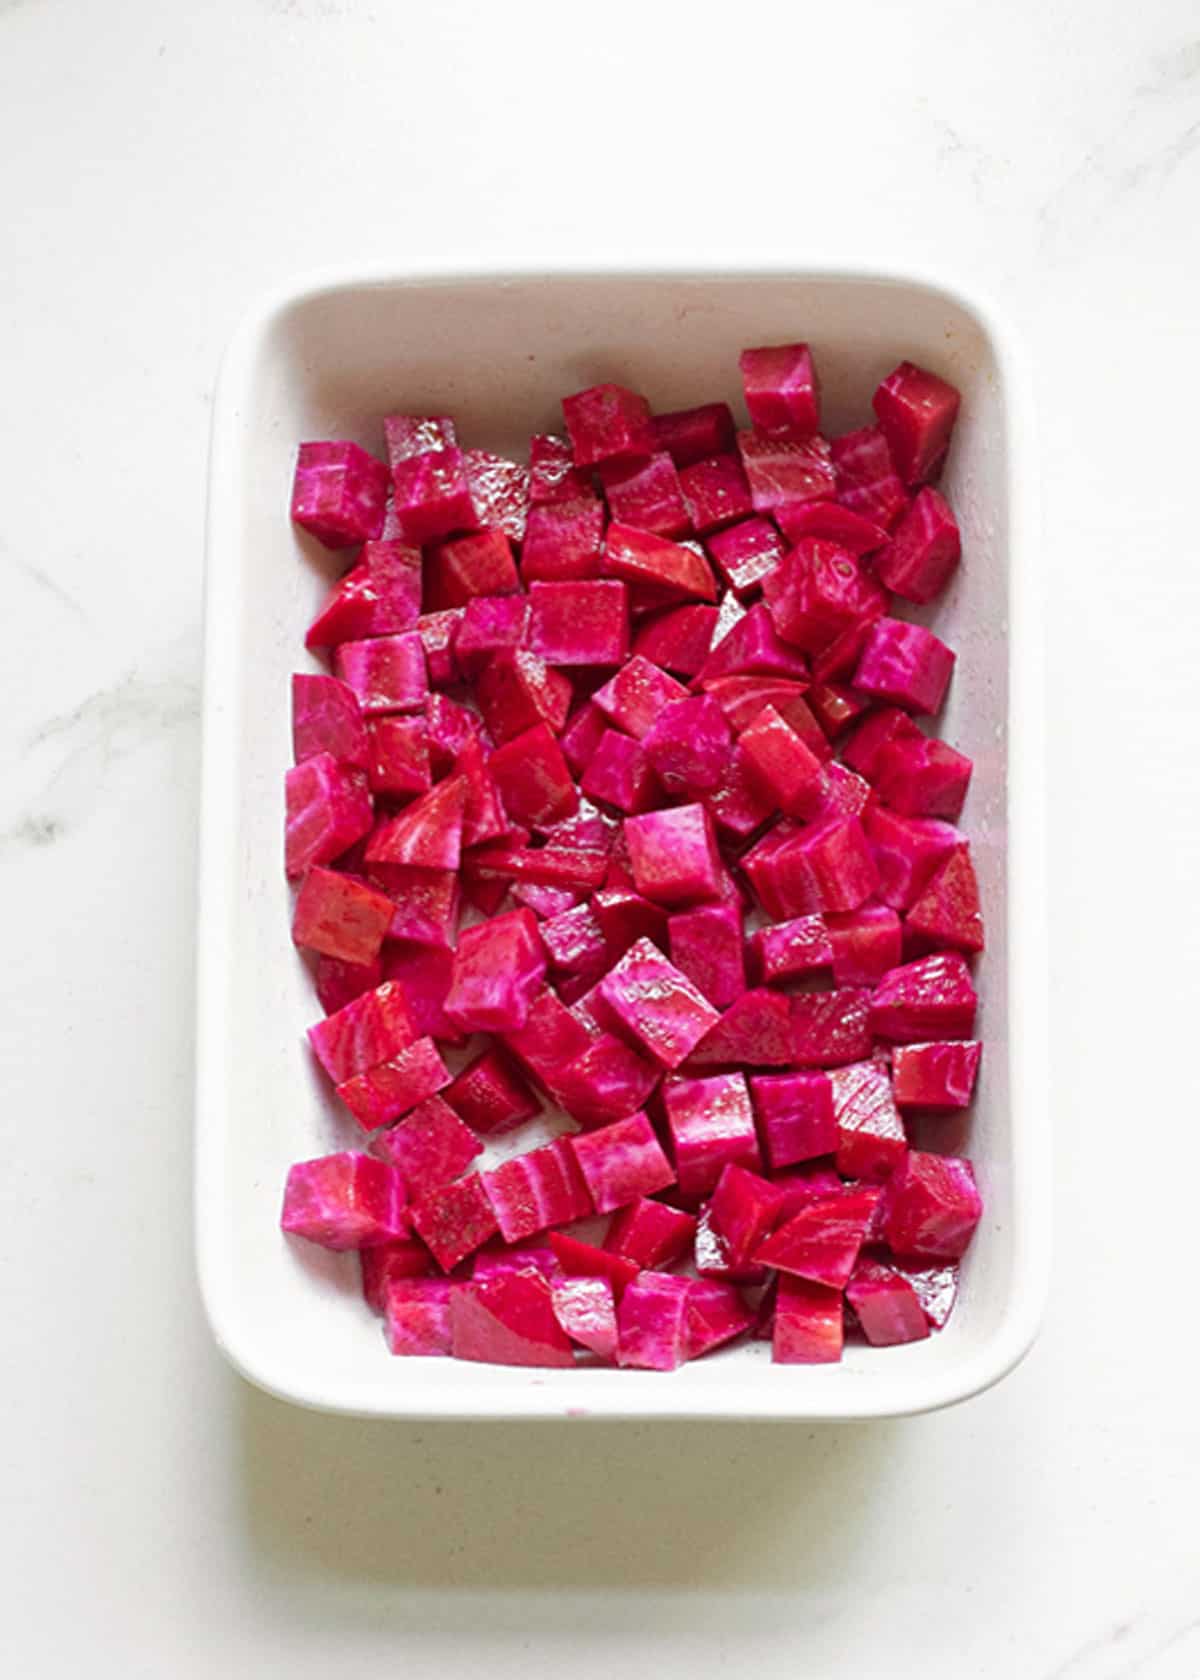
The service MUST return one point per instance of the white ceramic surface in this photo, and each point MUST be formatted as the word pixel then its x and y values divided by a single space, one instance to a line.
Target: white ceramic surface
pixel 329 360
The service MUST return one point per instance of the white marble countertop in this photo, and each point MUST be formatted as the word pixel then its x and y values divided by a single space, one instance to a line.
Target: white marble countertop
pixel 161 165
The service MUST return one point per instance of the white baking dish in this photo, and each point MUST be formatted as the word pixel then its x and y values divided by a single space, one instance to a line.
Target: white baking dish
pixel 329 360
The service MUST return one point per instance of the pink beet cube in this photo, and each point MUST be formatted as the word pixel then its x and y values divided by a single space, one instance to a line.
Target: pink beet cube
pixel 919 777
pixel 339 983
pixel 454 1220
pixel 832 523
pixel 935 1284
pixel 673 855
pixel 674 571
pixel 818 592
pixel 621 775
pixel 886 1305
pixel 407 435
pixel 689 746
pixel 564 541
pixel 499 491
pixel 789 773
pixel 491 1096
pixel 906 664
pixel 553 475
pixel 821 1241
pixel 752 648
pixel 490 624
pixel 781 389
pixel 756 1029
pixel 328 808
pixel 517 689
pixel 379 595
pixel 939 1077
pixel 779 872
pixel 867 481
pixel 650 1234
pixel 924 550
pixel 916 412
pixel 738 806
pixel 498 971
pixel 508 1319
pixel 439 633
pixel 795 1116
pixel 808 1327
pixel 574 941
pixel 533 778
pixel 579 623
pixel 836 707
pixel 582 736
pixel 416 1316
pixel 831 1028
pixel 339 493
pixel 581 1259
pixel 839 862
pixel 532 1192
pixel 908 852
pixel 932 1206
pixel 607 422
pixel 622 1162
pixel 653 1322
pixel 870 1133
pixel 707 947
pixel 715 492
pixel 711 1123
pixel 432 496
pixel 398 755
pixel 387 1262
pixel 348 1200
pixel 479 563
pixel 743 1210
pixel 784 470
pixel 551 1039
pixel 364 1032
pixel 382 1093
pixel 746 552
pixel 678 639
pixel 646 494
pixel 424 972
pixel 387 673
pixel 431 1147
pixel 340 917
pixel 586 1309
pixel 792 949
pixel 656 1004
pixel 427 834
pixel 865 944
pixel 929 999
pixel 716 1313
pixel 689 434
pixel 326 719
pixel 637 696
pixel 947 912
pixel 426 902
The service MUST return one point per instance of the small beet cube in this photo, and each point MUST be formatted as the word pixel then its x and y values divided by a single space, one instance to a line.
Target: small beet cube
pixel 534 1191
pixel 781 389
pixel 416 1316
pixel 340 917
pixel 783 471
pixel 791 775
pixel 585 623
pixel 756 1029
pixel 490 1095
pixel 339 983
pixel 498 971
pixel 932 1206
pixel 792 949
pixel 689 434
pixel 711 1123
pixel 871 1138
pixel 339 493
pixel 620 774
pixel 387 673
pixel 646 494
pixel 427 834
pixel 678 639
pixel 840 863
pixel 929 999
pixel 707 946
pixel 650 1234
pixel 326 719
pixel 386 1263
pixel 328 809
pixel 738 806
pixel 439 632
pixel 433 496
pixel 564 541
pixel 517 689
pixel 743 1209
pixel 490 624
pixel 431 1147
pixel 715 492
pixel 935 1284
pixel 939 1077
pixel 607 1081
pixel 580 1259
pixel 574 941
pixel 517 1258
pixel 908 852
pixel 637 696
pixel 779 872
pixel 550 878
pixel 916 412
pixel 426 902
pixel 534 780
pixel 653 1322
pixel 819 591
pixel 716 1313
pixel 499 491
pixel 424 972
pixel 550 1039
pixel 832 523
pixel 379 595
pixel 906 664
pixel 586 1308
pixel 924 550
pixel 454 1220
pixel 947 912
pixel 882 728
pixel 656 1004
pixel 867 481
pixel 407 435
pixel 382 1093
pixel 865 944
pixel 795 1114
pixel 622 1162
pixel 480 563
pixel 831 1028
pixel 746 552
pixel 674 571
pixel 673 855
pixel 508 1319
pixel 752 648
pixel 886 1305
pixel 582 736
pixel 553 475
pixel 607 422
pixel 690 745
pixel 808 1328
pixel 919 777
pixel 364 1032
pixel 348 1200
pixel 821 1241
pixel 398 755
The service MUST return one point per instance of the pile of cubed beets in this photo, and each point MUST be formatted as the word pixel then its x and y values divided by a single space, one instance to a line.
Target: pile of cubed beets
pixel 640 717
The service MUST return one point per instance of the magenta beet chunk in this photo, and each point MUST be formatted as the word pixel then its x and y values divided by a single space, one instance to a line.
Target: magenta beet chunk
pixel 789 950
pixel 744 553
pixel 328 809
pixel 621 775
pixel 490 1096
pixel 870 1133
pixel 339 493
pixel 919 777
pixel 833 523
pixel 508 1319
pixel 582 736
pixel 387 673
pixel 790 774
pixel 738 806
pixel 706 946
pixel 498 971
pixel 881 729
pixel 821 1241
pixel 939 1077
pixel 886 1305
pixel 607 1081
pixel 348 1200
pixel 432 496
pixel 427 834
pixel 622 1162
pixel 782 471
pixel 490 624
pixel 867 481
pixel 653 1322
pixel 673 855
pixel 753 648
pixel 545 902
pixel 517 689
pixel 831 1028
pixel 865 944
pixel 908 852
pixel 340 917
pixel 424 972
pixel 550 1039
pixel 743 697
pixel 637 695
pixel 386 1263
pixel 499 491
pixel 484 816
pixel 574 941
pixel 839 863
pixel 808 1328
pixel 564 541
pixel 454 1220
pixel 579 623
pixel 932 1206
pixel 756 1029
pixel 439 633
pixel 398 761
pixel 689 746
pixel 646 494
pixel 678 639
pixel 586 1309
pixel 743 1209
pixel 916 412
pixel 924 550
pixel 416 1316
pixel 935 1284
pixel 382 1093
pixel 553 475
pixel 836 707
pixel 407 435
pixel 781 389
pixel 818 592
pixel 689 434
pixel 426 902
pixel 551 877
pixel 381 594
pixel 339 983
pixel 711 1123
pixel 795 1115
pixel 539 1257
pixel 580 1259
pixel 716 1313
pixel 533 777
pixel 656 1004
pixel 364 1032
pixel 947 912
pixel 929 999
pixel 431 1147
pixel 326 719
pixel 534 1191
pixel 478 563
pixel 779 873
pixel 715 492
pixel 906 664
pixel 675 571
pixel 607 422
pixel 650 1234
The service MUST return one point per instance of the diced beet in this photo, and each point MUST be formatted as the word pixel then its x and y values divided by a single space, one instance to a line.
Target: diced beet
pixel 779 872
pixel 479 563
pixel 792 949
pixel 795 1114
pixel 534 780
pixel 381 594
pixel 673 855
pixel 867 481
pixel 499 491
pixel 831 1028
pixel 800 1185
pixel 431 1146
pixel 388 1262
pixel 808 1327
pixel 579 623
pixel 519 1257
pixel 920 777
pixel 582 736
pixel 407 435
pixel 382 1093
pixel 339 493
pixel 439 633
pixel 924 550
pixel 865 944
pixel 646 494
pixel 326 719
pixel 416 1316
pixel 818 592
pixel 564 541
pixel 908 852
pixel 656 1004
pixel 678 639
pixel 426 902
pixel 746 552
pixel 339 983
pixel 938 1077
pixel 622 1162
pixel 947 912
pixel 427 834
pixel 916 412
pixel 738 806
pixel 906 664
pixel 484 815
pixel 580 1259
pixel 454 1220
pixel 364 1032
pixel 607 422
pixel 551 1038
pixel 886 1305
pixel 821 1241
pixel 574 941
pixel 547 870
pixel 755 1030
pixel 935 1284
pixel 833 523
pixel 675 571
pixel 784 470
pixel 424 972
pixel 752 648
pixel 781 389
pixel 516 690
pixel 711 1123
pixel 328 809
pixel 716 1313
pixel 546 902
pixel 586 1309
pixel 839 863
pixel 607 1081
pixel 689 434
pixel 508 1319
pixel 498 970
pixel 343 1201
pixel 689 746
pixel 929 999
pixel 712 1260
pixel 715 492
pixel 788 772
pixel 706 946
pixel 387 673
pixel 637 696
pixel 742 1211
pixel 886 726
pixel 653 1322
pixel 534 1191
pixel 433 495
pixel 650 1234
pixel 491 624
pixel 933 1206
pixel 553 475
pixel 870 1132
pixel 398 748
pixel 340 917
pixel 621 775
